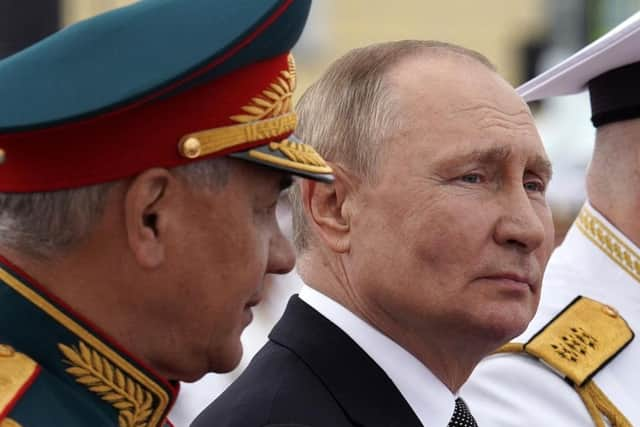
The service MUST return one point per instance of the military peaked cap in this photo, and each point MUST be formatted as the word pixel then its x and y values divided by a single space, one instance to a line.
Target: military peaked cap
pixel 160 83
pixel 609 67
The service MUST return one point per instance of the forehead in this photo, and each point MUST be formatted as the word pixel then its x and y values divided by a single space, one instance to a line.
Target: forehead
pixel 453 103
pixel 452 85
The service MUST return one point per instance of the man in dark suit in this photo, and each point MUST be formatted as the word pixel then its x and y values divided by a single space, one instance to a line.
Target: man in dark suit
pixel 423 256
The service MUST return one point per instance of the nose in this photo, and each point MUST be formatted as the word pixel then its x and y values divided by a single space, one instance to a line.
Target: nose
pixel 520 225
pixel 282 258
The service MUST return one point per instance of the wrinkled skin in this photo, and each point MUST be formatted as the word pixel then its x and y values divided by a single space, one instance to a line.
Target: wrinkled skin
pixel 449 244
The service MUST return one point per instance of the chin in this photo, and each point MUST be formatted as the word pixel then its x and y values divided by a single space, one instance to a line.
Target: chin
pixel 222 359
pixel 190 378
pixel 503 327
pixel 226 359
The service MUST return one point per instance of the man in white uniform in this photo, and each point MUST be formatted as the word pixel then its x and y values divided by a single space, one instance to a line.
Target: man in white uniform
pixel 594 376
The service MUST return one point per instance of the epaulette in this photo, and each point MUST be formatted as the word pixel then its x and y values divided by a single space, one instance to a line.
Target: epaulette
pixel 581 339
pixel 17 373
pixel 576 344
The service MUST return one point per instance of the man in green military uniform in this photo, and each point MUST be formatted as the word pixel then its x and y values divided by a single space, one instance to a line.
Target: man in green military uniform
pixel 142 154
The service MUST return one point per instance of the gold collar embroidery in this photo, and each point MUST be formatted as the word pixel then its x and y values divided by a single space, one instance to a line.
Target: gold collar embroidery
pixel 139 399
pixel 606 239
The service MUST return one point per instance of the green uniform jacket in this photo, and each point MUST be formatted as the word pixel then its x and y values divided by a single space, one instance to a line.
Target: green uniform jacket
pixel 57 370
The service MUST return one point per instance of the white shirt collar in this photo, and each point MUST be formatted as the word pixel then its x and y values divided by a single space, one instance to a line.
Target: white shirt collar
pixel 429 398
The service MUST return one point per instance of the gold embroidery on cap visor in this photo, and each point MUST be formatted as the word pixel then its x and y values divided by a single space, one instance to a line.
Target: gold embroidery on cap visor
pixel 298 156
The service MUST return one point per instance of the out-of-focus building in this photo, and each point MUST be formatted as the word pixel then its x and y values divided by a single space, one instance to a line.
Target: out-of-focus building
pixel 76 10
pixel 497 28
pixel 522 38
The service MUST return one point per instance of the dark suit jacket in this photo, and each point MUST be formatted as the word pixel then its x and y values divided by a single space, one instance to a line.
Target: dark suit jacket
pixel 312 374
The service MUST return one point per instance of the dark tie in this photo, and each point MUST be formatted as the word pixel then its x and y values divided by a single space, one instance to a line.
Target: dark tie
pixel 461 416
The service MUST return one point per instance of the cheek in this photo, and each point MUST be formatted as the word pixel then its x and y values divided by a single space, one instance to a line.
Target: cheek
pixel 242 261
pixel 220 264
pixel 233 240
pixel 419 232
pixel 450 234
pixel 549 230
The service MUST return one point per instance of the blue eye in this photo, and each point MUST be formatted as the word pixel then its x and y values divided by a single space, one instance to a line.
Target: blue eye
pixel 535 186
pixel 472 178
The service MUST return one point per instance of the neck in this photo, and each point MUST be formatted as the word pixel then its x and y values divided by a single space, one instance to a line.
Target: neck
pixel 90 286
pixel 451 355
pixel 613 180
pixel 450 360
pixel 73 278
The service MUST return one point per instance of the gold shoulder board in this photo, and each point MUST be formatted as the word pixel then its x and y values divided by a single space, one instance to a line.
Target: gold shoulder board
pixel 580 340
pixel 17 371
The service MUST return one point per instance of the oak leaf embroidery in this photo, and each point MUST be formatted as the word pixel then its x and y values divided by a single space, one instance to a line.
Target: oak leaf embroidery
pixel 276 98
pixel 101 377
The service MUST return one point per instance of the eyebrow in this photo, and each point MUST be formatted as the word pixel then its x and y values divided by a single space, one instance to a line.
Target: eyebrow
pixel 488 155
pixel 540 164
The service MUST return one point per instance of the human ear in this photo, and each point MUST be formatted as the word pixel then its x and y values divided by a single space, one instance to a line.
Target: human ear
pixel 145 211
pixel 327 210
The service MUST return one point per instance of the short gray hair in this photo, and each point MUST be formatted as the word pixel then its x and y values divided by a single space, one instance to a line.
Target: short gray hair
pixel 351 110
pixel 45 224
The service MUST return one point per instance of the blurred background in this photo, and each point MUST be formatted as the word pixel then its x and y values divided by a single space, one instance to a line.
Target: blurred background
pixel 522 37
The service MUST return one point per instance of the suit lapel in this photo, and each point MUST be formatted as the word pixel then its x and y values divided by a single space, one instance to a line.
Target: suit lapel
pixel 360 386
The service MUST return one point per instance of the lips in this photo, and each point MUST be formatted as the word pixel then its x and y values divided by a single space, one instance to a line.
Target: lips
pixel 514 277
